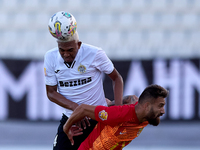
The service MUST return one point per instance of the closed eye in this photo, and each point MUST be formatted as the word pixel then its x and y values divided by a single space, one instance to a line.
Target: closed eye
pixel 62 50
pixel 161 105
pixel 70 50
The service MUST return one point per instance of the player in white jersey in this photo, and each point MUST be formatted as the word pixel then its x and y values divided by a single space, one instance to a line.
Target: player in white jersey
pixel 73 76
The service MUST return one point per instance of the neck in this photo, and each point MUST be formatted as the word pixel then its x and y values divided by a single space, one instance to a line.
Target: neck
pixel 140 113
pixel 68 63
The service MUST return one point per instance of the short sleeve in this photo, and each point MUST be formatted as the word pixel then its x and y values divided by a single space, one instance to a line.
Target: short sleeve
pixel 103 63
pixel 114 115
pixel 49 71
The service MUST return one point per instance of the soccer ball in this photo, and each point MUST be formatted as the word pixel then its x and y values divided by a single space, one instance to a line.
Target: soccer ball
pixel 62 25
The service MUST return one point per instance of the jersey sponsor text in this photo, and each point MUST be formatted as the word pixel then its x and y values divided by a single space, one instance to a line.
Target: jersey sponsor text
pixel 75 82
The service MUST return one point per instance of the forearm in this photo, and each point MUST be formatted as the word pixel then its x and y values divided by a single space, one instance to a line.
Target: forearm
pixel 61 100
pixel 117 86
pixel 79 113
pixel 118 90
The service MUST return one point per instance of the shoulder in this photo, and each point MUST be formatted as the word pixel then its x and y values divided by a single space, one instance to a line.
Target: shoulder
pixel 51 53
pixel 89 47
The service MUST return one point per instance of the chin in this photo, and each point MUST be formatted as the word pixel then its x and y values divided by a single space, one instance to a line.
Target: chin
pixel 68 61
pixel 154 122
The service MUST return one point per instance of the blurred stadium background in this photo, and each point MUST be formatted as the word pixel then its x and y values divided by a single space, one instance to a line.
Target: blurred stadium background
pixel 149 41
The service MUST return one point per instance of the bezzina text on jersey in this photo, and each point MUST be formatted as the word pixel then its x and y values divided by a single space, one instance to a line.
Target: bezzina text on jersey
pixel 75 82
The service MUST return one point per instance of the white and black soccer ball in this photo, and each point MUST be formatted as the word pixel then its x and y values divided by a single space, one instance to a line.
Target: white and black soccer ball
pixel 62 25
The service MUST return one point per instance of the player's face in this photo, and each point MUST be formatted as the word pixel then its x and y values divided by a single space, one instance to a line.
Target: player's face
pixel 157 110
pixel 68 50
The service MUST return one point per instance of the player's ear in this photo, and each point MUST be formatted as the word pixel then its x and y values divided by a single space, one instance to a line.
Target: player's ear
pixel 79 44
pixel 147 106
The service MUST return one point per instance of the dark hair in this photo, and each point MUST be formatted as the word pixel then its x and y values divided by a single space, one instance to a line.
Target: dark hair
pixel 152 91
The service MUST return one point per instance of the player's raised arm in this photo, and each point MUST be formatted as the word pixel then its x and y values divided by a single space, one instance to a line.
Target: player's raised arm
pixel 117 86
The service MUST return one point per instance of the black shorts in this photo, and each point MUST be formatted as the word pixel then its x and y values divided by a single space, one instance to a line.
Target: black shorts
pixel 62 142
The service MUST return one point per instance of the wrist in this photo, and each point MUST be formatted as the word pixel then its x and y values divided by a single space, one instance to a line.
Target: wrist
pixel 73 106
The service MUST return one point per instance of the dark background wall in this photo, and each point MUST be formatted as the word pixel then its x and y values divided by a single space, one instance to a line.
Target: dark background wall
pixel 23 95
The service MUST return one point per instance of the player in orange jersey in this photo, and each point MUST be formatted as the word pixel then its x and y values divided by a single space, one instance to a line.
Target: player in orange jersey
pixel 118 125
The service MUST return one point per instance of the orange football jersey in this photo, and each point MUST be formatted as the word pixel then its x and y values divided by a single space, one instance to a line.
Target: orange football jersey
pixel 117 127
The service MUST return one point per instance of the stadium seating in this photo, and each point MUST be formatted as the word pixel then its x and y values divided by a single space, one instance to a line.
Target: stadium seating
pixel 125 29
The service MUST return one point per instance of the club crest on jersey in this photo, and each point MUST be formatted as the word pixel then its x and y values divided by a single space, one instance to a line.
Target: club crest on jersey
pixel 82 69
pixel 103 115
pixel 45 71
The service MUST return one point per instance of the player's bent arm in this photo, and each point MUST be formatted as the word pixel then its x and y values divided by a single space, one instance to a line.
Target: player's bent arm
pixel 117 86
pixel 79 113
pixel 57 98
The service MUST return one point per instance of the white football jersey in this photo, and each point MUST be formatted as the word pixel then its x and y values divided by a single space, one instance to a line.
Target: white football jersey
pixel 82 81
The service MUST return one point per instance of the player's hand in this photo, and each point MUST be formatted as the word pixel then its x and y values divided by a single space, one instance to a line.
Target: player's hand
pixel 73 131
pixel 109 102
pixel 130 99
pixel 135 98
pixel 83 122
